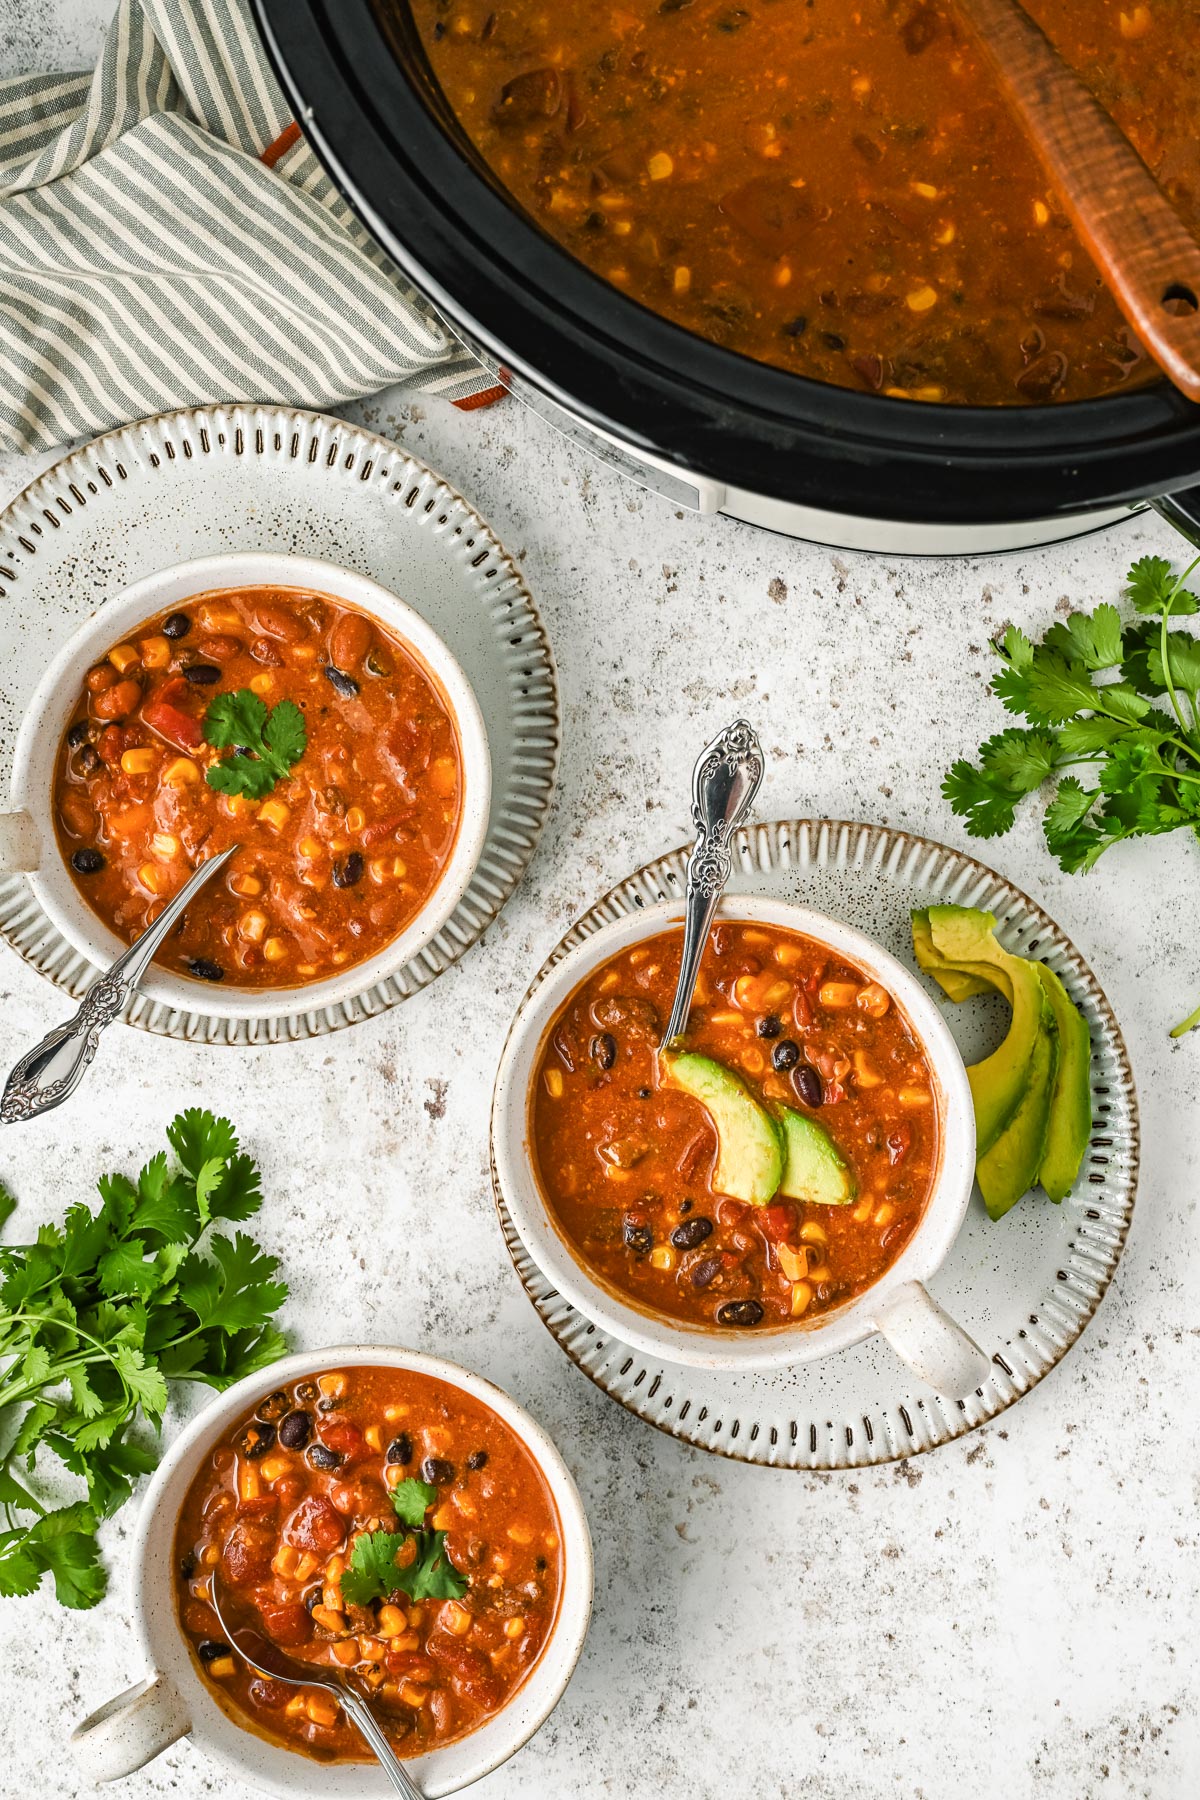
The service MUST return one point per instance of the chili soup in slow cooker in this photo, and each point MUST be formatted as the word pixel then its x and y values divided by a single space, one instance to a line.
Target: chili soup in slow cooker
pixel 838 190
pixel 283 721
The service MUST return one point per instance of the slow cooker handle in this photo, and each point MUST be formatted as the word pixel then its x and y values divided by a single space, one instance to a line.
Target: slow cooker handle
pixel 1183 512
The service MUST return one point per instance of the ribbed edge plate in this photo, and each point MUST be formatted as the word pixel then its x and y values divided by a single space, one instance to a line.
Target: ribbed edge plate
pixel 259 478
pixel 1025 1288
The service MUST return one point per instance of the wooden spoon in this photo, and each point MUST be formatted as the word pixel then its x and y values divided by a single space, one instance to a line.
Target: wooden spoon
pixel 1138 242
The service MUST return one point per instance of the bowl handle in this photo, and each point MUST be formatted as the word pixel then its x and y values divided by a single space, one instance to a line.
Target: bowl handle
pixel 20 843
pixel 929 1341
pixel 130 1729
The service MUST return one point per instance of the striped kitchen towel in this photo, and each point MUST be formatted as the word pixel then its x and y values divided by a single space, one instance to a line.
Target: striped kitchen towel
pixel 168 239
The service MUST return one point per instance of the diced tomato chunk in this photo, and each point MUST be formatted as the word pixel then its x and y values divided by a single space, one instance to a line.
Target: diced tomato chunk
pixel 316 1525
pixel 382 829
pixel 111 742
pixel 258 1507
pixel 471 1675
pixel 777 1222
pixel 179 728
pixel 248 1551
pixel 343 1437
pixel 287 1624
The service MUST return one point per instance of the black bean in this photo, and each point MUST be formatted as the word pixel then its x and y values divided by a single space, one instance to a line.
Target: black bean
pixel 477 1459
pixel 770 1027
pixel 87 862
pixel 176 625
pixel 691 1233
pixel 204 970
pixel 378 663
pixel 797 326
pixel 603 1050
pixel 808 1085
pixel 80 733
pixel 209 1650
pixel 327 1403
pixel 257 1439
pixel 638 1236
pixel 785 1055
pixel 295 1429
pixel 347 873
pixel 313 1597
pixel 437 1470
pixel 273 1407
pixel 342 684
pixel 739 1312
pixel 307 1390
pixel 187 1564
pixel 89 759
pixel 400 1449
pixel 322 1457
pixel 202 674
pixel 643 1093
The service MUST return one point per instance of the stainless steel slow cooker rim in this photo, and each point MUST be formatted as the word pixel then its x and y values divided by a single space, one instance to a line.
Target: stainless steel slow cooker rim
pixel 656 386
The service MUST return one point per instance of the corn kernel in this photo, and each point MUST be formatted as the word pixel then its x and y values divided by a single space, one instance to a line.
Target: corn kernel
pixel 812 1233
pixel 275 950
pixel 455 1619
pixel 443 775
pixel 329 1618
pixel 181 773
pixel 237 806
pixel 286 1560
pixel 294 1707
pixel 156 652
pixel 412 1694
pixel 681 280
pixel 873 1000
pixel 519 1534
pixel 356 818
pixel 345 1651
pixel 306 1566
pixel 274 813
pixel 392 1621
pixel 123 658
pixel 221 1668
pixel 946 235
pixel 262 684
pixel 335 1568
pixel 660 166
pixel 372 1649
pixel 245 885
pixel 1041 213
pixel 662 1257
pixel 395 1412
pixel 801 1297
pixel 151 878
pixel 926 189
pixel 916 1098
pixel 885 1214
pixel 862 1211
pixel 921 299
pixel 249 1484
pixel 253 926
pixel 443 1519
pixel 311 846
pixel 514 1628
pixel 1135 24
pixel 372 1438
pixel 272 1467
pixel 322 1709
pixel 866 1074
pixel 138 762
pixel 794 1263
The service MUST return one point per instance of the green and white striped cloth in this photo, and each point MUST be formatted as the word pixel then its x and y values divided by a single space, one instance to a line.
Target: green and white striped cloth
pixel 168 239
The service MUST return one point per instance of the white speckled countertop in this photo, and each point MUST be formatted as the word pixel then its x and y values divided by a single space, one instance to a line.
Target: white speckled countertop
pixel 1010 1618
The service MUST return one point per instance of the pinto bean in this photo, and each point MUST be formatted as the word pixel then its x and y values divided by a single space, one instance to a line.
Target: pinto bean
pixel 349 640
pixel 117 702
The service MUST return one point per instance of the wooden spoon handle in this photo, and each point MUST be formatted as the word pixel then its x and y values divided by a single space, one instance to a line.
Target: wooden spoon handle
pixel 1141 247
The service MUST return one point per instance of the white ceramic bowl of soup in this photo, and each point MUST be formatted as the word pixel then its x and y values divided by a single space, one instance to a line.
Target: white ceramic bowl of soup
pixel 173 1701
pixel 897 1304
pixel 28 841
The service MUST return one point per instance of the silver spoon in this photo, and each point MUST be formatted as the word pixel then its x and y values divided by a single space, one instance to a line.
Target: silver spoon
pixel 724 785
pixel 270 1661
pixel 50 1073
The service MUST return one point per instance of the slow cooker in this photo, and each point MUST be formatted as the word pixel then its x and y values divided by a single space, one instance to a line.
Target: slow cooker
pixel 706 428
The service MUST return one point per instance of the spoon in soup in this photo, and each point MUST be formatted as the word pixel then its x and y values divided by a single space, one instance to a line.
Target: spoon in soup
pixel 725 782
pixel 49 1074
pixel 246 1638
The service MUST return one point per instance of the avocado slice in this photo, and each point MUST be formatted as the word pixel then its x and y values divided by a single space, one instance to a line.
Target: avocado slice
pixel 957 946
pixel 814 1169
pixel 749 1143
pixel 1011 1166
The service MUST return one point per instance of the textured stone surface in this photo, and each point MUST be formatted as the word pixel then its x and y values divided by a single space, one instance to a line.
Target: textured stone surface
pixel 1012 1618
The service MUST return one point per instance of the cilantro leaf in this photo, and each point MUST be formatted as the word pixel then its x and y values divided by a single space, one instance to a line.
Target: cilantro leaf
pixel 1150 584
pixel 8 1205
pixel 412 1500
pixel 98 1314
pixel 432 1576
pixel 265 744
pixel 1093 639
pixel 372 1571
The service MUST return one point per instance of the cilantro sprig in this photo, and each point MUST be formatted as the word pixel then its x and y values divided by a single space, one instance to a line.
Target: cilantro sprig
pixel 1120 700
pixel 97 1316
pixel 265 742
pixel 375 1571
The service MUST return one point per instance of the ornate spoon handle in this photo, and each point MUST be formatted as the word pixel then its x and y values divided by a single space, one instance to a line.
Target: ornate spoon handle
pixel 367 1724
pixel 50 1073
pixel 724 785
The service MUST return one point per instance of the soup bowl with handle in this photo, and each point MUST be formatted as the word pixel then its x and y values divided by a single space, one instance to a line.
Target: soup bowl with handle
pixel 172 1701
pixel 897 1305
pixel 29 843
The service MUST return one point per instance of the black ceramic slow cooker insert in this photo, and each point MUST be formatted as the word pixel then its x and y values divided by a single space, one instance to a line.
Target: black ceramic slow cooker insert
pixel 709 428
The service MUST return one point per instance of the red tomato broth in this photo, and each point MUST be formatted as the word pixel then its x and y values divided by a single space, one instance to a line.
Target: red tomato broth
pixel 878 1102
pixel 278 1530
pixel 335 862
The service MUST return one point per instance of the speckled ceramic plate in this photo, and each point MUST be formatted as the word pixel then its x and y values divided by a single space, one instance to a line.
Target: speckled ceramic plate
pixel 1024 1288
pixel 258 478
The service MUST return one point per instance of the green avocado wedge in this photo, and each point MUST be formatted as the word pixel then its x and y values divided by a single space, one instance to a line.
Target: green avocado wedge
pixel 1008 1170
pixel 957 946
pixel 749 1163
pixel 814 1169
